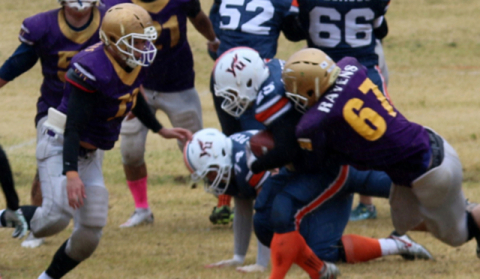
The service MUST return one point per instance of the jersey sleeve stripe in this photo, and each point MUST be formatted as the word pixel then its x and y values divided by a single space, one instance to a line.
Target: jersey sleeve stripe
pixel 23 40
pixel 256 180
pixel 331 191
pixel 71 81
pixel 274 111
pixel 84 72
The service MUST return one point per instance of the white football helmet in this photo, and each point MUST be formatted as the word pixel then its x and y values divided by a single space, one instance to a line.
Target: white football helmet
pixel 238 75
pixel 80 5
pixel 208 157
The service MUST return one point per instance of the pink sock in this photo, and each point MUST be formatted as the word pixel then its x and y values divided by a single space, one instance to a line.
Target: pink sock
pixel 138 188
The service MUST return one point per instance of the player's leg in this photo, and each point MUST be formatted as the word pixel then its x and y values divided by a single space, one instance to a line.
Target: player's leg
pixel 35 195
pixel 132 146
pixel 89 220
pixel 303 194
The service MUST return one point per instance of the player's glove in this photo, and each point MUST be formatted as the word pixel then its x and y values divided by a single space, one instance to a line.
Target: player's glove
pixel 251 158
pixel 226 263
pixel 15 219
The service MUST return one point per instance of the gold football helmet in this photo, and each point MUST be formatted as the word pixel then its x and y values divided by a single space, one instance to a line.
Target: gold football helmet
pixel 307 74
pixel 125 25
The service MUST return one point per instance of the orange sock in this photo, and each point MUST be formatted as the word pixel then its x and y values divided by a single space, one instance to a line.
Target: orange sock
pixel 289 248
pixel 360 249
pixel 224 200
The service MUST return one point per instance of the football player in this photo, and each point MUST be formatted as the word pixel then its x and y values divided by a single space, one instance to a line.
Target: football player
pixel 102 86
pixel 169 87
pixel 350 28
pixel 349 118
pixel 255 24
pixel 54 37
pixel 222 163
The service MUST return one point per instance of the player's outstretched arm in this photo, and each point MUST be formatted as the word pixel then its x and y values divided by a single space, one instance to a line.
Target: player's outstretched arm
pixel 202 23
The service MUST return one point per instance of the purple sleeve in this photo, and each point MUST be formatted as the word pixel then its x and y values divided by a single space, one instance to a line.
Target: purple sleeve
pixel 33 29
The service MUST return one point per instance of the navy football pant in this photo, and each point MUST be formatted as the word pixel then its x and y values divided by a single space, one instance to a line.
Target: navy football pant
pixel 318 205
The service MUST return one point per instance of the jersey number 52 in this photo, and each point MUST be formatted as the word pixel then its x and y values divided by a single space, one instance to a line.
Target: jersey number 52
pixel 231 9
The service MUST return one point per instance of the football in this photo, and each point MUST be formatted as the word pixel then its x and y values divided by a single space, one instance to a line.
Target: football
pixel 261 143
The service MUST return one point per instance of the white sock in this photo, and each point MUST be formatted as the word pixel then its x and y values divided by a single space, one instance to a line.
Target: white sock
pixel 263 254
pixel 44 276
pixel 388 246
pixel 1 212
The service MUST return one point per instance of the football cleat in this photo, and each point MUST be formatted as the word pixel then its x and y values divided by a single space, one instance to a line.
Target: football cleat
pixel 469 207
pixel 32 242
pixel 409 249
pixel 251 268
pixel 221 216
pixel 139 216
pixel 363 212
pixel 329 271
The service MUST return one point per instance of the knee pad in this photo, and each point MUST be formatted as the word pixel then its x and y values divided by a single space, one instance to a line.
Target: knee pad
pixel 83 242
pixel 132 145
pixel 189 120
pixel 47 225
pixel 94 211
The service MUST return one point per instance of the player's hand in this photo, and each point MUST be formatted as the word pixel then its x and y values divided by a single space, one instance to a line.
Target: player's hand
pixel 213 45
pixel 181 134
pixel 225 263
pixel 251 158
pixel 15 219
pixel 251 268
pixel 75 190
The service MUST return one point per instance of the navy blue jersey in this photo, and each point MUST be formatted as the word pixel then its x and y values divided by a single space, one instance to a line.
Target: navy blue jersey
pixel 343 28
pixel 244 183
pixel 252 23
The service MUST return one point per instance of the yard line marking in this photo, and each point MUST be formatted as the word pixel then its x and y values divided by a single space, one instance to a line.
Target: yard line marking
pixel 20 145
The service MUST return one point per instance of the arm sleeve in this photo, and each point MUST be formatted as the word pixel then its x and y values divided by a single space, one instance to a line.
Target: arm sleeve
pixel 192 8
pixel 286 147
pixel 80 106
pixel 292 29
pixel 6 179
pixel 145 115
pixel 22 60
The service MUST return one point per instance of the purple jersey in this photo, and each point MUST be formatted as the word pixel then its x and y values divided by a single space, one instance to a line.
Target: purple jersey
pixel 172 69
pixel 56 43
pixel 116 92
pixel 355 124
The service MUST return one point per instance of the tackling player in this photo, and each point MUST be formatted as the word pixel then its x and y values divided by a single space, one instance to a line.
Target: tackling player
pixel 169 87
pixel 349 119
pixel 54 37
pixel 102 86
pixel 350 28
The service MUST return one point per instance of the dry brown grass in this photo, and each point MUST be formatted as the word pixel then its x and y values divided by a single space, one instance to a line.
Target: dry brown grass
pixel 433 52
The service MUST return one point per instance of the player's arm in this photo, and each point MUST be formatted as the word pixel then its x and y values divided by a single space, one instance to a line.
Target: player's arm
pixel 202 23
pixel 22 60
pixel 286 147
pixel 6 179
pixel 381 31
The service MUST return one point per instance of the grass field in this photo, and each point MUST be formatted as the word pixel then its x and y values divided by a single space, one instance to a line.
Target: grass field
pixel 433 53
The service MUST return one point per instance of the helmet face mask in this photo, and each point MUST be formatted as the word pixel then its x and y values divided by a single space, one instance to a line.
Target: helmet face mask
pixel 238 76
pixel 208 157
pixel 79 5
pixel 129 29
pixel 307 75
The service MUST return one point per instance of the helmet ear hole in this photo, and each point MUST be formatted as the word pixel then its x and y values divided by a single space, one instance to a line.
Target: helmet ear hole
pixel 223 152
pixel 310 93
pixel 249 83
